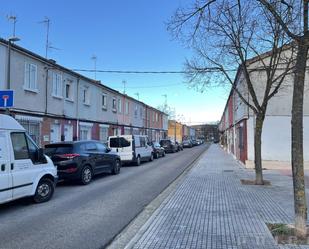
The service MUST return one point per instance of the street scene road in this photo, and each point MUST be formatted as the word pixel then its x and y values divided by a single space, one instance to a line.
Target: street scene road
pixel 90 216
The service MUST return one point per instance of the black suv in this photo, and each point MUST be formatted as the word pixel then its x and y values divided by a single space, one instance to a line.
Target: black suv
pixel 169 145
pixel 81 160
pixel 158 150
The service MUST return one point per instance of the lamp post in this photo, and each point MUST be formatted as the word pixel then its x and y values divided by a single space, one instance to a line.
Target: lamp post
pixel 10 40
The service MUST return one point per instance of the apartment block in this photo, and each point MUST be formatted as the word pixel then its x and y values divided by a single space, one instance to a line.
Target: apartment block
pixel 55 103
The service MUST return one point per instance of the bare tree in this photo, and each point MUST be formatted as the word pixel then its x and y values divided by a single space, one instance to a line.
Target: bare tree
pixel 229 41
pixel 292 16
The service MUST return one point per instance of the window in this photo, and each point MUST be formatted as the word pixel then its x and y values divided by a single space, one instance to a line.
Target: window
pixel 85 133
pixel 127 131
pixel 114 104
pixel 57 85
pixel 33 128
pixel 127 107
pixel 68 90
pixel 143 141
pixel 86 96
pixel 20 147
pixel 153 116
pixel 103 134
pixel 104 101
pixel 119 142
pixel 141 112
pixel 101 147
pixel 91 147
pixel 30 77
pixel 157 117
pixel 136 111
pixel 119 105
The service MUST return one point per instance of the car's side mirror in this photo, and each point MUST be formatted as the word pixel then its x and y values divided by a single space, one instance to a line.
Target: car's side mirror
pixel 40 155
pixel 108 150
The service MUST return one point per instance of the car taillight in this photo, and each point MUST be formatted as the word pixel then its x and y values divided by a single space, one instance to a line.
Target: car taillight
pixel 69 156
pixel 70 170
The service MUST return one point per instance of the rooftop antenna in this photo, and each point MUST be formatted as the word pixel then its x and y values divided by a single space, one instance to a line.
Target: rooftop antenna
pixel 137 94
pixel 13 19
pixel 94 58
pixel 124 86
pixel 46 21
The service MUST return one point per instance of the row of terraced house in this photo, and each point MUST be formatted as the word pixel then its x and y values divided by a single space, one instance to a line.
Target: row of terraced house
pixel 55 103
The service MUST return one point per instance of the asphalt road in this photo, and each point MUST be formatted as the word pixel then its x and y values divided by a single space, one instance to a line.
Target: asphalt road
pixel 90 216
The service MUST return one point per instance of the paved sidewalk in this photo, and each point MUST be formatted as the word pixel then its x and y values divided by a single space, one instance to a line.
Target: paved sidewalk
pixel 211 209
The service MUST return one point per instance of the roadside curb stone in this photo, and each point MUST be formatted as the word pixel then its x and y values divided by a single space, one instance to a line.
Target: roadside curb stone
pixel 212 209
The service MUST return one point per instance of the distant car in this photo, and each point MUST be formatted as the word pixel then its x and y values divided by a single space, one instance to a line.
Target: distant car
pixel 158 150
pixel 81 160
pixel 194 142
pixel 168 145
pixel 187 144
pixel 179 146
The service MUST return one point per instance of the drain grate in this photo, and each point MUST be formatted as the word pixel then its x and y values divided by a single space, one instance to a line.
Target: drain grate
pixel 228 170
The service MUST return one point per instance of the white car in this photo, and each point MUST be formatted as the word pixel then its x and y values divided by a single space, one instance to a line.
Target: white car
pixel 24 169
pixel 131 148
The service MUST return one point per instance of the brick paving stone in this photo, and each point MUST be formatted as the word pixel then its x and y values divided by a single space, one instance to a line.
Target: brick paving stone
pixel 212 209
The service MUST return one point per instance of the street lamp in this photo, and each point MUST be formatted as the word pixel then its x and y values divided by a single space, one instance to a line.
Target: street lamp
pixel 10 40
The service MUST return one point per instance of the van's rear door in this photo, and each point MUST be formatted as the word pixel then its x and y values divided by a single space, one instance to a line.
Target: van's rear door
pixel 6 192
pixel 122 145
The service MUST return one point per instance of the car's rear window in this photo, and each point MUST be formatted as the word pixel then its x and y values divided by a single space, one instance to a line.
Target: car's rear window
pixel 165 142
pixel 119 142
pixel 53 149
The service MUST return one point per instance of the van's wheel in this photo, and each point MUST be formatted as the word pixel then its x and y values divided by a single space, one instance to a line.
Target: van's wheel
pixel 86 175
pixel 44 191
pixel 163 154
pixel 138 161
pixel 151 157
pixel 116 168
pixel 157 155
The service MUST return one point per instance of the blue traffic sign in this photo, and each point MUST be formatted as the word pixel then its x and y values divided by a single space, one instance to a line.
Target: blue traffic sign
pixel 6 98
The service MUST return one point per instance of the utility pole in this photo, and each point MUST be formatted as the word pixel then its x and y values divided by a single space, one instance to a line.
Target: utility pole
pixel 13 19
pixel 94 58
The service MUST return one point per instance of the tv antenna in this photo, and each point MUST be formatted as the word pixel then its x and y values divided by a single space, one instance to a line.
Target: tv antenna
pixel 137 94
pixel 124 86
pixel 13 19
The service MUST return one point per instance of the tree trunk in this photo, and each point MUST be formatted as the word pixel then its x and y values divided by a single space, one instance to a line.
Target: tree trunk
pixel 258 148
pixel 300 204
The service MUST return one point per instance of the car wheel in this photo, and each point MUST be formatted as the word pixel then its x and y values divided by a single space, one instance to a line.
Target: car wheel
pixel 116 168
pixel 157 155
pixel 151 157
pixel 163 154
pixel 86 175
pixel 138 161
pixel 44 191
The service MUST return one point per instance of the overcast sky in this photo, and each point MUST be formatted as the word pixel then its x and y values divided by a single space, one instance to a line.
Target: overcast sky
pixel 124 35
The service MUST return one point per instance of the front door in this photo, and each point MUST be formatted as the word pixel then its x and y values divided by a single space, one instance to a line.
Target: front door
pixel 55 135
pixel 5 174
pixel 68 133
pixel 23 170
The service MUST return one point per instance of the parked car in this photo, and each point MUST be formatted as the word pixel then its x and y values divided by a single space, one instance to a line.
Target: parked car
pixel 179 146
pixel 81 160
pixel 131 148
pixel 168 145
pixel 194 142
pixel 187 144
pixel 24 169
pixel 158 150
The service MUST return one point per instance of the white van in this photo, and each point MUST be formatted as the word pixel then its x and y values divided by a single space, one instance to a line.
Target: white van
pixel 24 169
pixel 131 148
